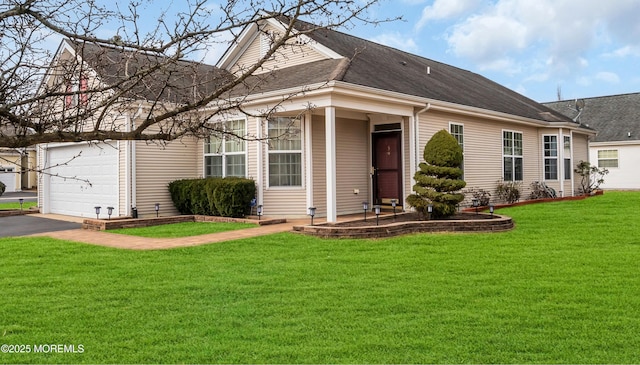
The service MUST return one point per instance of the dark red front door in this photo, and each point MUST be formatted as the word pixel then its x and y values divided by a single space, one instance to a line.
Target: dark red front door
pixel 387 164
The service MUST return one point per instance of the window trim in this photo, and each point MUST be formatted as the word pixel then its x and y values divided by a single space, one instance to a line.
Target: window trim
pixel 568 158
pixel 224 153
pixel 451 124
pixel 546 158
pixel 513 156
pixel 616 159
pixel 268 185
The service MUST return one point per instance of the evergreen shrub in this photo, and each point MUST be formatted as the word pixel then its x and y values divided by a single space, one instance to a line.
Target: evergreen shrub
pixel 227 197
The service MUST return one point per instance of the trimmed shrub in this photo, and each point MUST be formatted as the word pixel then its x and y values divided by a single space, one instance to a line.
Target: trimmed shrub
pixel 439 179
pixel 227 197
pixel 3 187
pixel 233 198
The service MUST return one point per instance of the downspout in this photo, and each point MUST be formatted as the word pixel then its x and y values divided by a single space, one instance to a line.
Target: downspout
pixel 416 139
pixel 414 148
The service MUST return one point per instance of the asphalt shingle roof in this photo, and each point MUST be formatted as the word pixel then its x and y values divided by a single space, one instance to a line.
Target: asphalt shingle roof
pixel 386 68
pixel 365 63
pixel 615 117
pixel 168 80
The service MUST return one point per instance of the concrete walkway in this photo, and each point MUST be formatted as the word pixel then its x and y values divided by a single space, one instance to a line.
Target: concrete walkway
pixel 103 238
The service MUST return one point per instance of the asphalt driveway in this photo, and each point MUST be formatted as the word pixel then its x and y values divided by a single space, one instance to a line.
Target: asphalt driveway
pixel 24 225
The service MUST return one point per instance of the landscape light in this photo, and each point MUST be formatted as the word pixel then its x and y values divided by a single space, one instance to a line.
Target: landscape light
pixel 97 212
pixel 476 204
pixel 109 211
pixel 259 210
pixel 157 209
pixel 430 210
pixel 377 210
pixel 365 206
pixel 394 202
pixel 312 213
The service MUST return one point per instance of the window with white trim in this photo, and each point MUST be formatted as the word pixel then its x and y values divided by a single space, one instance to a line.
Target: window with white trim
pixel 568 168
pixel 607 158
pixel 76 90
pixel 457 131
pixel 285 152
pixel 512 156
pixel 225 154
pixel 550 157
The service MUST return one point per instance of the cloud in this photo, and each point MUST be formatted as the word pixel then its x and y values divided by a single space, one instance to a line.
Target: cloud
pixel 562 31
pixel 608 77
pixel 623 52
pixel 445 9
pixel 396 40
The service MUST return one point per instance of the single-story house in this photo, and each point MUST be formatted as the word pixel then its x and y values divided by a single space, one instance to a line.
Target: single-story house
pixel 17 166
pixel 616 147
pixel 356 115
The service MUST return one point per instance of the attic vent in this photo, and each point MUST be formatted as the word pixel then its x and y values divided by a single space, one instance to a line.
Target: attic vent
pixel 428 70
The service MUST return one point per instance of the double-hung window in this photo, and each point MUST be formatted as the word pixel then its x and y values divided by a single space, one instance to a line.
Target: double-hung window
pixel 76 92
pixel 550 157
pixel 512 156
pixel 607 158
pixel 285 152
pixel 457 131
pixel 225 153
pixel 568 169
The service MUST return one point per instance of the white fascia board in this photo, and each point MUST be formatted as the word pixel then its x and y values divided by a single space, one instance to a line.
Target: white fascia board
pixel 238 47
pixel 615 143
pixel 378 95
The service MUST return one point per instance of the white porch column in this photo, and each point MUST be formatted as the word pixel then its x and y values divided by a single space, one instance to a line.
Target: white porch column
pixel 260 158
pixel 330 142
pixel 308 138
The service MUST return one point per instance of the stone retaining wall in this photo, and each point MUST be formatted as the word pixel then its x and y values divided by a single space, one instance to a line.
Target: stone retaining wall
pixel 497 224
pixel 14 212
pixel 116 223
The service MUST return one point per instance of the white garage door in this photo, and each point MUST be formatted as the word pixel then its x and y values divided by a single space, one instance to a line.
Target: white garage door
pixel 82 177
pixel 8 177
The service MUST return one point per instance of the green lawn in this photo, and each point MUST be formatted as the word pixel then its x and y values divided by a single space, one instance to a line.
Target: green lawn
pixel 10 206
pixel 563 287
pixel 185 229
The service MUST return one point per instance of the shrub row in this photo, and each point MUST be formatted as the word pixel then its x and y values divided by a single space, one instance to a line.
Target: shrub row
pixel 226 197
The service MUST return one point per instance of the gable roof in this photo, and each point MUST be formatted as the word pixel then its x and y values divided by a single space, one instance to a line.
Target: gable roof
pixel 168 80
pixel 381 67
pixel 615 117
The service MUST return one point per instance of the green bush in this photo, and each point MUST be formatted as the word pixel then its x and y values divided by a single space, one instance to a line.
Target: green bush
pixel 233 198
pixel 227 197
pixel 438 181
pixel 3 187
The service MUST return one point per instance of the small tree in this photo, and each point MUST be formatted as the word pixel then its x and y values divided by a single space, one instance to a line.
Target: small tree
pixel 591 176
pixel 439 178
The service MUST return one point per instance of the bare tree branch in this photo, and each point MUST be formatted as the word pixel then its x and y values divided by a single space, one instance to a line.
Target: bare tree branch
pixel 87 92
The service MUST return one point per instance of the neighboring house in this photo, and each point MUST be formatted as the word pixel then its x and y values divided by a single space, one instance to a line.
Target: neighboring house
pixel 374 109
pixel 17 166
pixel 616 147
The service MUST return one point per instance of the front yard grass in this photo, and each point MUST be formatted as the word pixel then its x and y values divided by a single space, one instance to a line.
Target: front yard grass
pixel 184 229
pixel 12 206
pixel 563 287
